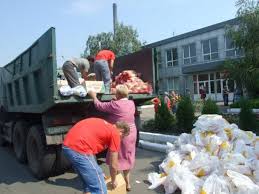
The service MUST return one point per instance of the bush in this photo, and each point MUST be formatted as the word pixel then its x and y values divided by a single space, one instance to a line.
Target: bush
pixel 164 120
pixel 254 103
pixel 210 107
pixel 247 119
pixel 149 125
pixel 185 114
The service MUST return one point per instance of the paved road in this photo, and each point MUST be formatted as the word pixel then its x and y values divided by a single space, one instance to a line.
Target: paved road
pixel 16 179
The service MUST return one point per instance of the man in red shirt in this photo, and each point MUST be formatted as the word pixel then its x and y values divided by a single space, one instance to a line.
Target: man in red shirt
pixel 88 138
pixel 103 67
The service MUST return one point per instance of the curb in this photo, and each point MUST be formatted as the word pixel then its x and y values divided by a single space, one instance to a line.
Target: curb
pixel 157 137
pixel 147 106
pixel 152 146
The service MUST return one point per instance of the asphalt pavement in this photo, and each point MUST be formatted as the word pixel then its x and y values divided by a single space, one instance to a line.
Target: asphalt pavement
pixel 15 178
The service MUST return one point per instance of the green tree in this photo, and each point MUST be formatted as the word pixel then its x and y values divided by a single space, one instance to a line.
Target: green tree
pixel 100 41
pixel 247 119
pixel 123 42
pixel 185 114
pixel 245 71
pixel 164 120
pixel 210 107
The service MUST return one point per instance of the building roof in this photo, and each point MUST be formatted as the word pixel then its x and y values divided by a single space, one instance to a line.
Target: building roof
pixel 193 33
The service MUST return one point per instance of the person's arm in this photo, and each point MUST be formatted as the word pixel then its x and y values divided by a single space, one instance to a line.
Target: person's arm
pixel 101 106
pixel 113 167
pixel 84 75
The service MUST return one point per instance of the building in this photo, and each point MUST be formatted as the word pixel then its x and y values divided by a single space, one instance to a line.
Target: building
pixel 189 61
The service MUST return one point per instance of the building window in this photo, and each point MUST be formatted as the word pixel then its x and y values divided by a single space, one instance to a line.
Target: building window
pixel 173 84
pixel 210 49
pixel 189 54
pixel 171 57
pixel 231 49
pixel 159 59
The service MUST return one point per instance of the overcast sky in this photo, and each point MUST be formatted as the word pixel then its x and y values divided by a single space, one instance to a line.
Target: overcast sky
pixel 22 22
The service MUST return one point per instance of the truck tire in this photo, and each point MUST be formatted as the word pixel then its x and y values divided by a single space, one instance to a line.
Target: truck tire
pixel 2 141
pixel 20 132
pixel 62 163
pixel 41 158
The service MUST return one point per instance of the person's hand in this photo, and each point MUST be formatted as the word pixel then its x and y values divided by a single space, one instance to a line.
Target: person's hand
pixel 114 184
pixel 92 94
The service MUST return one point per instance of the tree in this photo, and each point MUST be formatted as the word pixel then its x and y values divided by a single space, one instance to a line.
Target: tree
pixel 164 120
pixel 123 42
pixel 245 71
pixel 100 41
pixel 185 114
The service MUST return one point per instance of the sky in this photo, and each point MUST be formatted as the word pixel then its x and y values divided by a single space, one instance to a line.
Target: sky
pixel 23 21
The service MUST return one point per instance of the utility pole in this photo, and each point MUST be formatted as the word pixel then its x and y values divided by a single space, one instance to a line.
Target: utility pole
pixel 115 19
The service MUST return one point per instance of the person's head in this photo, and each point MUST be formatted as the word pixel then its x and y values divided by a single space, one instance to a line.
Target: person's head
pixel 123 128
pixel 90 59
pixel 121 91
pixel 166 94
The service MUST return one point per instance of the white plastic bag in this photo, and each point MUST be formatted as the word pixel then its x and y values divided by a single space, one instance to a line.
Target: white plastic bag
pixel 215 185
pixel 203 164
pixel 243 183
pixel 156 179
pixel 169 185
pixel 184 138
pixel 186 181
pixel 65 90
pixel 173 159
pixel 212 123
pixel 79 91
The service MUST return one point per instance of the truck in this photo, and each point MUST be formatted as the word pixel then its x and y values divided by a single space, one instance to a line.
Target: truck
pixel 34 117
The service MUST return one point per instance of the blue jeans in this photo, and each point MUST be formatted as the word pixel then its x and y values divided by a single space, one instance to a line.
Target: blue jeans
pixel 88 170
pixel 102 73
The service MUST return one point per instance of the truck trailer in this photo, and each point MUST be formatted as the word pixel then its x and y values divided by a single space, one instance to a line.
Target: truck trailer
pixel 34 117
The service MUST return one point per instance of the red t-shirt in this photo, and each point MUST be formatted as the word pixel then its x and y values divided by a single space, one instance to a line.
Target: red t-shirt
pixel 105 55
pixel 92 136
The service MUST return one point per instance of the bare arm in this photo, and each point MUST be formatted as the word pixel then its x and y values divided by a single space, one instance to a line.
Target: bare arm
pixel 84 75
pixel 113 167
pixel 101 106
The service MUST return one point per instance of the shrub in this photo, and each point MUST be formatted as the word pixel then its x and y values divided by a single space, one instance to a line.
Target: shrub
pixel 164 120
pixel 254 103
pixel 210 107
pixel 149 125
pixel 247 119
pixel 185 114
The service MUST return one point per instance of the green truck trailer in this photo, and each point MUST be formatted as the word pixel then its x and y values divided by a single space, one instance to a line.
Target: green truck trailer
pixel 34 117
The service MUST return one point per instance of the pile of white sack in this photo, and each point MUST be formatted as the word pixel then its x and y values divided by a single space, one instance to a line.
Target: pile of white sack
pixel 68 91
pixel 217 158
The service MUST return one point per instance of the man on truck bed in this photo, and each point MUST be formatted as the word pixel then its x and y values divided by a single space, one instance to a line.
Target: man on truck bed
pixel 81 64
pixel 88 138
pixel 103 67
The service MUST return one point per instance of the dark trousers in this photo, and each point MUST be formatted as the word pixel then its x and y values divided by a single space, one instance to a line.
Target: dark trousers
pixel 70 74
pixel 225 98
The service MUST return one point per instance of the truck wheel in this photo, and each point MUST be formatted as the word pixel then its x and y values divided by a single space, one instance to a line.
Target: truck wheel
pixel 62 163
pixel 41 159
pixel 2 141
pixel 19 140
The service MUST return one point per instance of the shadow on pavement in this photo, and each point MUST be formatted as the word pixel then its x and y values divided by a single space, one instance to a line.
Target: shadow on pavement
pixel 11 171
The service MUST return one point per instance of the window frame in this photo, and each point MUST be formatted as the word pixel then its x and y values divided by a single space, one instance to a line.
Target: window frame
pixel 189 58
pixel 174 88
pixel 235 49
pixel 173 61
pixel 210 53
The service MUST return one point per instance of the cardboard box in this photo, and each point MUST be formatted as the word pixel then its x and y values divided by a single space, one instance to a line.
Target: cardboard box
pixel 96 86
pixel 121 187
